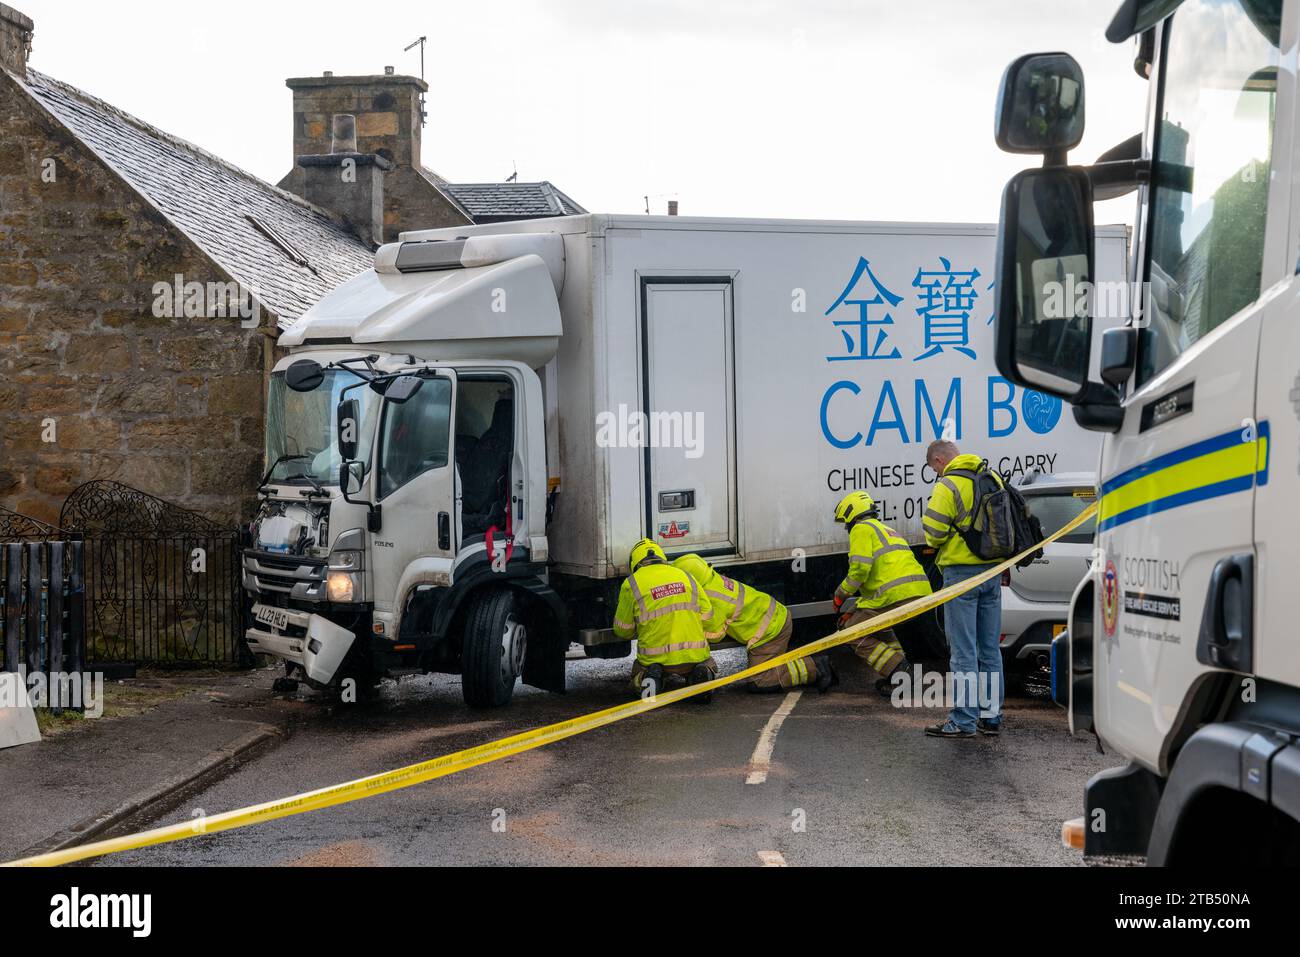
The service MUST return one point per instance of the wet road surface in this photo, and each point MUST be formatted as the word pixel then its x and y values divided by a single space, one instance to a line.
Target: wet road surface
pixel 843 778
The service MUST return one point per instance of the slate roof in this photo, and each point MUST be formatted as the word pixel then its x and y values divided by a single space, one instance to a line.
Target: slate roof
pixel 287 252
pixel 498 202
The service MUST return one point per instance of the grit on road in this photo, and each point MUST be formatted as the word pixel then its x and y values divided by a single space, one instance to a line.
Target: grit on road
pixel 806 779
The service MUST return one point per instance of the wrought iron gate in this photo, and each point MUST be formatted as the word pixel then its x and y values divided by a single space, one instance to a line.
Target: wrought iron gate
pixel 162 582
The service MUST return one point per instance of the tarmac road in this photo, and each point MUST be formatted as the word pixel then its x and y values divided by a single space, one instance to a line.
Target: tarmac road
pixel 851 780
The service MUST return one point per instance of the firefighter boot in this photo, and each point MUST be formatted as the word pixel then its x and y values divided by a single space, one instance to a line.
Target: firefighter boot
pixel 653 681
pixel 826 676
pixel 885 686
pixel 700 674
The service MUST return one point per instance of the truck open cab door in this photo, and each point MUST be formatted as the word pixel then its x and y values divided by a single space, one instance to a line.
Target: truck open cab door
pixel 413 484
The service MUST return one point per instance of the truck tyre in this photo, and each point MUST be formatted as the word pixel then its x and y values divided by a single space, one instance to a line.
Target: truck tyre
pixel 492 655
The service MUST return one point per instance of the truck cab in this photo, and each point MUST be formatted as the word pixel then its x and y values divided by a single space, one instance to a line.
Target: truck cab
pixel 1180 654
pixel 406 497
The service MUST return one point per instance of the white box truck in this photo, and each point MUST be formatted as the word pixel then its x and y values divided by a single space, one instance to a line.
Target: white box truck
pixel 464 442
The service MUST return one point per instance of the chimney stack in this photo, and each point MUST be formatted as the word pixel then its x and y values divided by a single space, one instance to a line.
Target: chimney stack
pixel 377 117
pixel 16 32
pixel 672 207
pixel 345 182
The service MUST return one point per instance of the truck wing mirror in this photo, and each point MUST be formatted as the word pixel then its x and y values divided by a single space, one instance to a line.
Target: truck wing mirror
pixel 402 388
pixel 349 478
pixel 1045 271
pixel 304 375
pixel 1118 355
pixel 348 424
pixel 1040 106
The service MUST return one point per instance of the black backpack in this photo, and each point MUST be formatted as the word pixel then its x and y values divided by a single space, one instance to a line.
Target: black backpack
pixel 1001 523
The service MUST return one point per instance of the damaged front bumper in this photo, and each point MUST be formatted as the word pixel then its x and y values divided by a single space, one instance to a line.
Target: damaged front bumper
pixel 313 642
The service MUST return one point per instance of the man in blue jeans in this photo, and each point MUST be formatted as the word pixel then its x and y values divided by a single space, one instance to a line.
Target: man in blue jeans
pixel 973 621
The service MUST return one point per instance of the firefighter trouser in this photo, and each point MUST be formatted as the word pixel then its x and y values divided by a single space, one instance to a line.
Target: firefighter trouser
pixel 881 649
pixel 792 674
pixel 639 670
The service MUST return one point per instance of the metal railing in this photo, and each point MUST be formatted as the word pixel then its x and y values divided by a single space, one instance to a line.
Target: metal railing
pixel 42 609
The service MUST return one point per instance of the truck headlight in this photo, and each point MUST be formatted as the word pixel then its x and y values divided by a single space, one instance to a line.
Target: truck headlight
pixel 345 561
pixel 339 586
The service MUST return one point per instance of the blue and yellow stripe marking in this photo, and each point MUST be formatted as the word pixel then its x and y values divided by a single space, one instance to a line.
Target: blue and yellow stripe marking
pixel 1222 465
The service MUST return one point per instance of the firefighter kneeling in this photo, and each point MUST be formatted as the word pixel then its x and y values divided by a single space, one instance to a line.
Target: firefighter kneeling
pixel 760 623
pixel 664 609
pixel 883 573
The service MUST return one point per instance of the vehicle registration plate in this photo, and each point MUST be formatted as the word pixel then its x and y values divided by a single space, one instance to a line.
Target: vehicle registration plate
pixel 276 618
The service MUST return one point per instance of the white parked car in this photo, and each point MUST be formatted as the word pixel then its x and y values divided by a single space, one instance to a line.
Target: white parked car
pixel 1036 599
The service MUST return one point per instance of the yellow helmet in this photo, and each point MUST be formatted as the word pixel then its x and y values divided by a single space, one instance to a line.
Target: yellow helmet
pixel 854 506
pixel 643 550
pixel 696 567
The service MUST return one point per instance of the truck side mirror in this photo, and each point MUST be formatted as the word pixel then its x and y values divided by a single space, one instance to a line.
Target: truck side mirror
pixel 348 423
pixel 1040 106
pixel 1045 268
pixel 349 479
pixel 304 375
pixel 1118 355
pixel 403 388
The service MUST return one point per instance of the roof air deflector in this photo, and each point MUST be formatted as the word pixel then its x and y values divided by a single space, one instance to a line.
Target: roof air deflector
pixel 430 255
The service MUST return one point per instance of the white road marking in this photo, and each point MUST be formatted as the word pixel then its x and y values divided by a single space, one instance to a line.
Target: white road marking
pixel 761 760
pixel 772 859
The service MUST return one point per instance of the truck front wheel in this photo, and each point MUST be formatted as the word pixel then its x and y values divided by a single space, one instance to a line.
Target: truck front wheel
pixel 492 655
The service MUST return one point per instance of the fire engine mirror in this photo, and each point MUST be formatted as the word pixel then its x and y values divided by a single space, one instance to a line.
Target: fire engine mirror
pixel 348 425
pixel 1044 280
pixel 1040 106
pixel 304 376
pixel 402 388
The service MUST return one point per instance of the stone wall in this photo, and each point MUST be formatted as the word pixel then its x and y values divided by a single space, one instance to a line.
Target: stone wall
pixel 387 109
pixel 171 406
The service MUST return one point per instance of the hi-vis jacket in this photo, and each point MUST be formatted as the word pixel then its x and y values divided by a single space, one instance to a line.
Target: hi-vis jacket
pixel 949 510
pixel 882 568
pixel 664 609
pixel 740 611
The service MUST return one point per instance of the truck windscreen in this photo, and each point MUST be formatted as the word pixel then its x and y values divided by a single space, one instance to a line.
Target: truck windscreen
pixel 300 428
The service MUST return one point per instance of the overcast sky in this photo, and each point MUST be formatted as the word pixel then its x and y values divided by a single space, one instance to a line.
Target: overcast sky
pixel 828 109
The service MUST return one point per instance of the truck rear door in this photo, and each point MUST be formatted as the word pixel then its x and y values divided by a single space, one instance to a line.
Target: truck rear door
pixel 689 400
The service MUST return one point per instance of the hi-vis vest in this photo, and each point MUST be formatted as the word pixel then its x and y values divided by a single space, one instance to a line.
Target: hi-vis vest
pixel 740 611
pixel 882 568
pixel 949 510
pixel 665 610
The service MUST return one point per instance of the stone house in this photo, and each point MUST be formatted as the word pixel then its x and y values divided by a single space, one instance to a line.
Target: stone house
pixel 143 280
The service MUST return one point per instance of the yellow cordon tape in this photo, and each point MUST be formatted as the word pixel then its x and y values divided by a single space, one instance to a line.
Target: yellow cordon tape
pixel 505 747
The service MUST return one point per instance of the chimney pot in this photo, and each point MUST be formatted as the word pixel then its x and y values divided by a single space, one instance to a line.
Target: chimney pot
pixel 15 39
pixel 345 134
pixel 389 71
